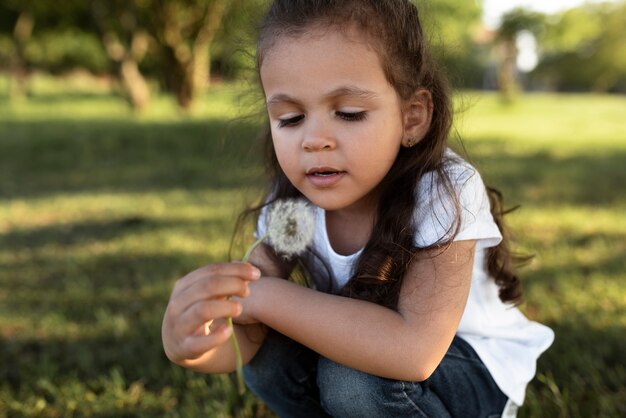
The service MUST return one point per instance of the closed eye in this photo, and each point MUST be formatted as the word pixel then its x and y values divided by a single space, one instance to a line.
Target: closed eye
pixel 283 123
pixel 352 116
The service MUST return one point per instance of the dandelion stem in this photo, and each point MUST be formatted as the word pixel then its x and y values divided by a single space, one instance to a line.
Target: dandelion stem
pixel 238 360
pixel 252 247
pixel 233 337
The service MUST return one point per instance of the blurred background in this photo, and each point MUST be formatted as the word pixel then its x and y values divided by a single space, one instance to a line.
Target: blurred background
pixel 128 146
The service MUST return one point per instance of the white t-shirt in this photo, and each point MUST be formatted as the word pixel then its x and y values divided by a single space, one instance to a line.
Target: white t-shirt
pixel 506 341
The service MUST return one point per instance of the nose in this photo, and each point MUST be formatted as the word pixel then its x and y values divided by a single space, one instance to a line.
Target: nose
pixel 318 137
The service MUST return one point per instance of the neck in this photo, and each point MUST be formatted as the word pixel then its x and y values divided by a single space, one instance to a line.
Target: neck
pixel 349 229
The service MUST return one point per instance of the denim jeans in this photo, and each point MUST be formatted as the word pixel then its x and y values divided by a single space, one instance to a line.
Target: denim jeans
pixel 297 382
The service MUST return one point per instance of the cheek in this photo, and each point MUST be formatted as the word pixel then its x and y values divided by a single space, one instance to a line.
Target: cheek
pixel 378 154
pixel 378 163
pixel 285 152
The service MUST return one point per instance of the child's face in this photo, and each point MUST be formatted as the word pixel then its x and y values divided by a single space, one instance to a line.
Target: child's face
pixel 336 122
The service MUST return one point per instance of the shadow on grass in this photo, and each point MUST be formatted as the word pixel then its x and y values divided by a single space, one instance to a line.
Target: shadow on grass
pixel 66 235
pixel 582 374
pixel 76 233
pixel 604 254
pixel 596 178
pixel 73 287
pixel 40 158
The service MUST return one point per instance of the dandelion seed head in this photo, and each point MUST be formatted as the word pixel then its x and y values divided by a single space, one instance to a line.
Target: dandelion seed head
pixel 291 225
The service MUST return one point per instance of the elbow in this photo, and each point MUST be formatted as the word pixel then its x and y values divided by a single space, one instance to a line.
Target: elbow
pixel 422 373
pixel 170 356
pixel 418 372
pixel 421 368
pixel 182 362
pixel 177 361
pixel 422 359
pixel 409 374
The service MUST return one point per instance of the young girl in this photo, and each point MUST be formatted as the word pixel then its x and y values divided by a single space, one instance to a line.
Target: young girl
pixel 410 312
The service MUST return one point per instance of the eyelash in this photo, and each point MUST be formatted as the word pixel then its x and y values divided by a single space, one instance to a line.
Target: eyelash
pixel 352 117
pixel 347 116
pixel 282 123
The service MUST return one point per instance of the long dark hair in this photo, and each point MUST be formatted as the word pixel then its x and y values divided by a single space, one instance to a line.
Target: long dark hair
pixel 393 28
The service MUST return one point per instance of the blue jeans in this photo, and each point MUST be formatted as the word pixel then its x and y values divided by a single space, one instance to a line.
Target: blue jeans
pixel 296 382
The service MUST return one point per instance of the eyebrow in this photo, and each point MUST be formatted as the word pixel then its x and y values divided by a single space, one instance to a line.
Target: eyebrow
pixel 344 91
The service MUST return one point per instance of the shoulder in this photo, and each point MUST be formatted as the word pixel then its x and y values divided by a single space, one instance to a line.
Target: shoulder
pixel 459 173
pixel 457 185
pixel 453 204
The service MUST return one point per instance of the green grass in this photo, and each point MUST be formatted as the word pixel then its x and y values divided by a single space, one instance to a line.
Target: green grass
pixel 101 211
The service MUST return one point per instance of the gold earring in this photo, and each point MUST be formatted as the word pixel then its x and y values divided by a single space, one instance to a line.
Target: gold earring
pixel 410 142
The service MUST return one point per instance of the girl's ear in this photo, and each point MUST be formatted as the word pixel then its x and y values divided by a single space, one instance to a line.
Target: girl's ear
pixel 417 115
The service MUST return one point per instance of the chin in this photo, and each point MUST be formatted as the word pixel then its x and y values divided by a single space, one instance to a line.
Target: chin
pixel 328 204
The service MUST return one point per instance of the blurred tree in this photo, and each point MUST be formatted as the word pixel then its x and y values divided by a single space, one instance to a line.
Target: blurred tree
pixel 451 26
pixel 176 36
pixel 512 24
pixel 18 19
pixel 21 34
pixel 185 30
pixel 38 34
pixel 233 49
pixel 181 33
pixel 585 49
pixel 126 43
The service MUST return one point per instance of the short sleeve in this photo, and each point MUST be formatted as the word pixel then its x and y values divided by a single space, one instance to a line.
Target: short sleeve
pixel 261 223
pixel 435 215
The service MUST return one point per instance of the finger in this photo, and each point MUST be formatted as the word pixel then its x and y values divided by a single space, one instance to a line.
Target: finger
pixel 245 271
pixel 200 313
pixel 196 346
pixel 216 288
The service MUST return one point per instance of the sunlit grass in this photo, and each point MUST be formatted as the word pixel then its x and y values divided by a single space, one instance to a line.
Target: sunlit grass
pixel 563 125
pixel 101 210
pixel 73 99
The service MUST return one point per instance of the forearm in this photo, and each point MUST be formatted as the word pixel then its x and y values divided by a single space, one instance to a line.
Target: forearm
pixel 358 334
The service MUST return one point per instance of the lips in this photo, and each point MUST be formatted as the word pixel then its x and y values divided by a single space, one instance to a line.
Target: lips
pixel 324 176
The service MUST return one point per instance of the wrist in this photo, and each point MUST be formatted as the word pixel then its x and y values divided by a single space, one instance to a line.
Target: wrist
pixel 254 302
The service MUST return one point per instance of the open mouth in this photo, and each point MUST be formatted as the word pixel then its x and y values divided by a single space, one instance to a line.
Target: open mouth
pixel 323 172
pixel 324 176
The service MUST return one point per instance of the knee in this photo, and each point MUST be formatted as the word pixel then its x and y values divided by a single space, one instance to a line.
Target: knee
pixel 260 376
pixel 265 371
pixel 280 368
pixel 348 392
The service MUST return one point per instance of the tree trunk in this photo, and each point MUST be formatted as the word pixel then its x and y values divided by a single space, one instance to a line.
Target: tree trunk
pixel 21 34
pixel 127 61
pixel 134 84
pixel 185 93
pixel 507 80
pixel 202 46
pixel 126 56
pixel 193 63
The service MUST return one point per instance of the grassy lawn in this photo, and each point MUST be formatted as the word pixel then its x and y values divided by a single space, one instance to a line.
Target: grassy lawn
pixel 101 211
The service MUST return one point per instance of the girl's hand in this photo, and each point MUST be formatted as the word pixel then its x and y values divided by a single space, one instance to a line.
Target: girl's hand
pixel 199 298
